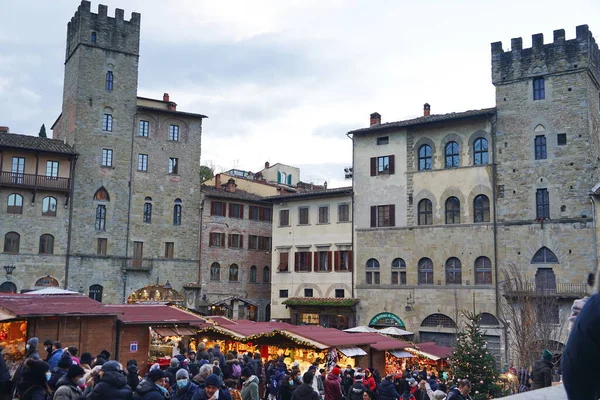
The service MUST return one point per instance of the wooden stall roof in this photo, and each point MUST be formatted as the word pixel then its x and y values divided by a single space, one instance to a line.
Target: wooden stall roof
pixel 430 348
pixel 142 314
pixel 31 305
pixel 382 342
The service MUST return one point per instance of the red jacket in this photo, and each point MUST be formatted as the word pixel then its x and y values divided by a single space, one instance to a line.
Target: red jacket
pixel 370 383
pixel 333 387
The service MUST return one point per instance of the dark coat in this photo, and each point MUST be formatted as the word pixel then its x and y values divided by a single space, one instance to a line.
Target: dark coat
pixel 201 395
pixel 67 390
pixel 147 390
pixel 356 391
pixel 133 379
pixel 541 374
pixel 34 393
pixel 56 375
pixel 455 394
pixel 305 392
pixel 387 390
pixel 112 385
pixel 333 387
pixel 4 374
pixel 185 393
pixel 285 391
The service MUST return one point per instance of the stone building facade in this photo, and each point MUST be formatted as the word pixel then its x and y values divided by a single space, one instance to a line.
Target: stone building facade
pixel 312 258
pixel 235 246
pixel 135 206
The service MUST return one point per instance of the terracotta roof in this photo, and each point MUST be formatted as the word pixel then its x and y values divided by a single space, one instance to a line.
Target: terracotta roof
pixel 427 120
pixel 239 194
pixel 382 342
pixel 344 191
pixel 153 314
pixel 32 305
pixel 320 301
pixel 35 143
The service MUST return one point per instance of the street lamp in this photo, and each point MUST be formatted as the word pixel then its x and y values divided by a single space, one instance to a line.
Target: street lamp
pixel 9 269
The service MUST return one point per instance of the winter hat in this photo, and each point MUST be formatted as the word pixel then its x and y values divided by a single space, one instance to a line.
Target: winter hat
pixel 358 375
pixel 36 371
pixel 174 362
pixel 111 366
pixel 439 395
pixel 65 361
pixel 75 370
pixel 105 354
pixel 203 362
pixel 336 370
pixel 212 380
pixel 246 372
pixel 182 373
pixel 547 355
pixel 155 375
pixel 312 368
pixel 433 384
pixel 33 342
pixel 86 358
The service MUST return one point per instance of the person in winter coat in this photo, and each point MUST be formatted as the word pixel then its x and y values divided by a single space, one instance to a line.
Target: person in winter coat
pixel 438 394
pixel 175 366
pixel 249 385
pixel 56 354
pixel 219 356
pixel 204 372
pixel 202 354
pixel 333 385
pixel 387 390
pixel 286 389
pixel 133 377
pixel 31 350
pixel 524 378
pixel 152 387
pixel 184 389
pixel 347 379
pixel 305 391
pixel 357 389
pixel 542 371
pixel 369 381
pixel 461 392
pixel 212 387
pixel 110 383
pixel 34 385
pixel 68 385
pixel 275 380
pixel 64 364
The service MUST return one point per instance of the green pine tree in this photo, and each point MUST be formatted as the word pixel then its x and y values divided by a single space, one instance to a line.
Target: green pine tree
pixel 42 131
pixel 471 360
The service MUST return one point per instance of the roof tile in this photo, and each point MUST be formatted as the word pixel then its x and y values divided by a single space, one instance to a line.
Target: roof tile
pixel 35 143
pixel 239 194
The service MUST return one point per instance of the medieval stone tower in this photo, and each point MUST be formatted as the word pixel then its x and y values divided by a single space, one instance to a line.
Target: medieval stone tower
pixel 134 210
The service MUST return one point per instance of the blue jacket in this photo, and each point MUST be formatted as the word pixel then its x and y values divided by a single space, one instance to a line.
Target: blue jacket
pixel 185 393
pixel 54 357
pixel 387 391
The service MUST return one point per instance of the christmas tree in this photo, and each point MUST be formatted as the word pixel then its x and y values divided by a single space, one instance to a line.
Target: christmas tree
pixel 471 360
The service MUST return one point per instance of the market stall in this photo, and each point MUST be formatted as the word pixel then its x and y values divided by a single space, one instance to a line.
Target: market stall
pixel 385 353
pixel 431 355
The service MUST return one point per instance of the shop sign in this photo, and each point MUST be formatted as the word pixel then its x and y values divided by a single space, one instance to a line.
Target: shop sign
pixel 387 318
pixel 133 347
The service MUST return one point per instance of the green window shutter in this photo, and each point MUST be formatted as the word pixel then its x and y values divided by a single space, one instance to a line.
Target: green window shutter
pixel 278 177
pixel 289 182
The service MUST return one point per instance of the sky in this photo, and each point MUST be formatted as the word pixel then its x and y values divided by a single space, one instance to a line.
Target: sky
pixel 285 80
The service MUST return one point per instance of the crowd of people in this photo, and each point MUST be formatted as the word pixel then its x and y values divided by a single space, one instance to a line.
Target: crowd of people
pixel 63 374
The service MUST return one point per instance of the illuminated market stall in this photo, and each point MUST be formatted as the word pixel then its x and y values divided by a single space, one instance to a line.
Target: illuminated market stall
pixel 431 355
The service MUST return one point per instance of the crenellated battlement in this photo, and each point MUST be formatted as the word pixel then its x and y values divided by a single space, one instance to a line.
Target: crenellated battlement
pixel 111 33
pixel 559 56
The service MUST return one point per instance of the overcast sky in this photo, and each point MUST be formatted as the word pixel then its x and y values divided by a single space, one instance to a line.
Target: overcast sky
pixel 284 81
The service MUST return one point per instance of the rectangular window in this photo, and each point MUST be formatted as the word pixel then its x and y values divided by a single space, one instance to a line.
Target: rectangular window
pixel 101 246
pixel 383 165
pixel 372 278
pixel 100 217
pixel 308 293
pixel 266 214
pixel 324 214
pixel 542 203
pixel 18 170
pixel 235 241
pixel 217 239
pixel 143 162
pixel 323 261
pixel 253 242
pixel 383 215
pixel 539 92
pixel 264 243
pixel 283 262
pixel 343 261
pixel 138 254
pixel 109 80
pixel 144 128
pixel 383 140
pixel 284 218
pixel 107 156
pixel 236 210
pixel 540 147
pixel 173 165
pixel 302 261
pixel 107 121
pixel 169 250
pixel 52 169
pixel 561 139
pixel 283 294
pixel 398 277
pixel 217 208
pixel 254 213
pixel 94 37
pixel 174 133
pixel 303 215
pixel 344 213
pixel 339 293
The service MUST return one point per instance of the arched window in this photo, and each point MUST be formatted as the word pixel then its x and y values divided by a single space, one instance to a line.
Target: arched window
pixel 15 204
pixel 425 157
pixel 95 292
pixel 425 271
pixel 439 320
pixel 451 155
pixel 12 241
pixel 215 272
pixel 177 212
pixel 8 287
pixel 233 273
pixel 398 272
pixel 266 274
pixel 452 210
pixel 488 319
pixel 544 256
pixel 49 206
pixel 481 208
pixel 480 151
pixel 46 244
pixel 253 274
pixel 109 80
pixel 47 281
pixel 453 271
pixel 425 212
pixel 101 194
pixel 372 272
pixel 483 271
pixel 148 210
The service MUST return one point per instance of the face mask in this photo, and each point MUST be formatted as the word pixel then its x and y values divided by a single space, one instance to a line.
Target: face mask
pixel 81 381
pixel 48 376
pixel 162 389
pixel 182 383
pixel 291 383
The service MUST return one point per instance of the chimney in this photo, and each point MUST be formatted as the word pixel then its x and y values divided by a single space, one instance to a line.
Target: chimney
pixel 375 119
pixel 231 185
pixel 166 97
pixel 3 129
pixel 426 109
pixel 267 165
pixel 172 106
pixel 217 180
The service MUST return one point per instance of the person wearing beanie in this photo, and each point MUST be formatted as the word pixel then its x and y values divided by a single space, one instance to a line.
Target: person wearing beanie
pixel 133 374
pixel 86 361
pixel 357 389
pixel 34 380
pixel 110 383
pixel 542 371
pixel 31 350
pixel 152 387
pixel 68 387
pixel 249 385
pixel 184 389
pixel 64 363
pixel 305 391
pixel 212 390
pixel 333 384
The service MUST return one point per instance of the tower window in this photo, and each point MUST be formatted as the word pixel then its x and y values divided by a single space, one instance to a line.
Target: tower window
pixel 561 139
pixel 540 147
pixel 143 162
pixel 174 133
pixel 93 37
pixel 480 151
pixel 173 165
pixel 144 127
pixel 148 210
pixel 539 91
pixel 107 156
pixel 100 217
pixel 107 121
pixel 109 80
pixel 542 203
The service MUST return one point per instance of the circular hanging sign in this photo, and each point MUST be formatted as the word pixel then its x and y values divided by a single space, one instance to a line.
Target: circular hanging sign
pixel 387 319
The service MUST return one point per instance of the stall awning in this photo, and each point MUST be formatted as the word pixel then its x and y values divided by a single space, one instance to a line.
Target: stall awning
pixel 352 351
pixel 400 354
pixel 179 331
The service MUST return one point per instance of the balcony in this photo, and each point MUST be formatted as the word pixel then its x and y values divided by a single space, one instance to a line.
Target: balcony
pixel 32 181
pixel 560 290
pixel 138 264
